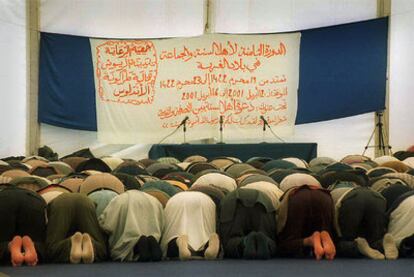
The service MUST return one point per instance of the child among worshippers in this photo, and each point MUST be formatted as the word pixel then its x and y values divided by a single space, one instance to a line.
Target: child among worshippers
pixel 73 232
pixel 305 223
pixel 248 224
pixel 23 226
pixel 134 221
pixel 360 221
pixel 190 227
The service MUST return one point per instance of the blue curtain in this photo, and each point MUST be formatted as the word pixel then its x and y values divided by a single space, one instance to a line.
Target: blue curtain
pixel 342 71
pixel 66 82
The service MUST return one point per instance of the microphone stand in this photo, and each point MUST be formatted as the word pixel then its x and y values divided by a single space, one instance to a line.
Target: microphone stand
pixel 183 123
pixel 264 130
pixel 271 130
pixel 184 130
pixel 221 129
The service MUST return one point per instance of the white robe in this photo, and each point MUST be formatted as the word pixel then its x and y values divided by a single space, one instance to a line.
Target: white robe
pixel 190 213
pixel 401 224
pixel 129 216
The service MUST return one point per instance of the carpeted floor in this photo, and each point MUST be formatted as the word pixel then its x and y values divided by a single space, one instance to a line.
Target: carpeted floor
pixel 274 268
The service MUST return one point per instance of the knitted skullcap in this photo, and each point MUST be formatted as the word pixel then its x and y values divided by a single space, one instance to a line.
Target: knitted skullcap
pixel 277 164
pixel 101 181
pixel 298 162
pixel 385 158
pixel 168 160
pixel 112 162
pixel 73 184
pixel 297 180
pixel 62 167
pixel 396 165
pixel 195 158
pixel 15 173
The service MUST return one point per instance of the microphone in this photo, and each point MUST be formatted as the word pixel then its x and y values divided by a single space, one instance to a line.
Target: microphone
pixel 264 120
pixel 184 121
pixel 221 123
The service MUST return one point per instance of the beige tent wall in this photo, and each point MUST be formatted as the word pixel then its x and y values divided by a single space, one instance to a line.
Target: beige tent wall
pixel 13 79
pixel 401 99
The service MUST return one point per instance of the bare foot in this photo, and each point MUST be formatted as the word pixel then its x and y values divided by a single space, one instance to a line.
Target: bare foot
pixel 30 255
pixel 15 248
pixel 314 241
pixel 328 245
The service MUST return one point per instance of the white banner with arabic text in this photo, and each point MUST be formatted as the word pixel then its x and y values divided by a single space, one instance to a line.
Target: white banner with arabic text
pixel 146 88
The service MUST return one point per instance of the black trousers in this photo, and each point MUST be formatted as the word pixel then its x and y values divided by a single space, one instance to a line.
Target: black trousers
pixel 245 221
pixel 70 213
pixel 22 213
pixel 309 210
pixel 362 214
